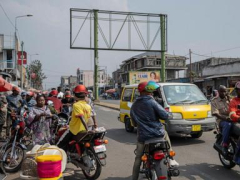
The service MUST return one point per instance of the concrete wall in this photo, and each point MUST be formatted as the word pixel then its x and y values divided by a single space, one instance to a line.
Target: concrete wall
pixel 229 68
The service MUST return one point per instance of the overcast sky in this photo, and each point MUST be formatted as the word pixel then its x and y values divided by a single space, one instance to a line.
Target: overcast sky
pixel 205 26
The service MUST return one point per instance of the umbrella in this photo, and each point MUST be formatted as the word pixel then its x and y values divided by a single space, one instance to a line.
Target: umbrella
pixel 4 85
pixel 110 91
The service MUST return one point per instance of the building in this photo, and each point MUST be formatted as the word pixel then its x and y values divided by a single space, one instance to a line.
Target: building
pixel 86 77
pixel 7 56
pixel 210 73
pixel 64 81
pixel 150 61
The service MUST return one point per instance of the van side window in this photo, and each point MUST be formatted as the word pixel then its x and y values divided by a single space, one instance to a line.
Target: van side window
pixel 127 95
pixel 136 94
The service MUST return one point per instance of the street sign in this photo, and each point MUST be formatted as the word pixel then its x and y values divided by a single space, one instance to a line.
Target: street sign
pixel 20 57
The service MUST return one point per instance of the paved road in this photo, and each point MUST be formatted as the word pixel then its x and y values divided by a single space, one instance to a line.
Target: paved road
pixel 198 160
pixel 111 101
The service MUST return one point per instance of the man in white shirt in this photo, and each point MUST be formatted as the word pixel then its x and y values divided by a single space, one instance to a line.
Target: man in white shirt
pixel 60 93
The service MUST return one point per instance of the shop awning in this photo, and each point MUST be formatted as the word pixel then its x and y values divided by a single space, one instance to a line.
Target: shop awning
pixel 4 85
pixel 222 76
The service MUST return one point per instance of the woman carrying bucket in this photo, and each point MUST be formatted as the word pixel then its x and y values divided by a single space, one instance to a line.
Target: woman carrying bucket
pixel 39 121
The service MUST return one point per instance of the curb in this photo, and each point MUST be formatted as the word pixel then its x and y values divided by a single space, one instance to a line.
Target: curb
pixel 108 106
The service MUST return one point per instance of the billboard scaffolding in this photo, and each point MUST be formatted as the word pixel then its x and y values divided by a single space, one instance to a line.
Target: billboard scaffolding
pixel 119 31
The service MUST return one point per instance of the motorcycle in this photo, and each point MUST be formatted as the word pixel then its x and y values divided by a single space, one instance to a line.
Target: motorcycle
pixel 156 160
pixel 226 160
pixel 13 149
pixel 87 151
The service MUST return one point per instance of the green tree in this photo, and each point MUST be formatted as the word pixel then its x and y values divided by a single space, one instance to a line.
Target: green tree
pixel 36 67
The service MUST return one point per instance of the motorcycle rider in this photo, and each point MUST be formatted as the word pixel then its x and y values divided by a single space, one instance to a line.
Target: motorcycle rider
pixel 145 113
pixel 30 101
pixel 80 109
pixel 234 114
pixel 220 105
pixel 60 93
pixel 14 101
pixel 56 102
pixel 67 101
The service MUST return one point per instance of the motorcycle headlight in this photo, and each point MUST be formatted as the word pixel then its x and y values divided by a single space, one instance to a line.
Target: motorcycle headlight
pixel 209 114
pixel 176 116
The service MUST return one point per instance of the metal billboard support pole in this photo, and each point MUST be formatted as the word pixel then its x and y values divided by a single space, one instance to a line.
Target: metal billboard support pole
pixel 163 48
pixel 96 54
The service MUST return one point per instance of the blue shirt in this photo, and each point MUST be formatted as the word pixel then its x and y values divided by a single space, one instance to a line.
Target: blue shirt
pixel 146 113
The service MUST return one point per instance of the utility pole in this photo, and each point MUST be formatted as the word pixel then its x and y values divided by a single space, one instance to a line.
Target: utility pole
pixel 22 65
pixel 96 76
pixel 190 58
pixel 163 47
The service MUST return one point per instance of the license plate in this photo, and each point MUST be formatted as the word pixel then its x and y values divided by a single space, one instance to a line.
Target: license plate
pixel 100 148
pixel 196 127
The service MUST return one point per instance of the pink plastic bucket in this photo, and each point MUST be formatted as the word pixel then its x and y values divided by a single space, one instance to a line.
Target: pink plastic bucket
pixel 49 169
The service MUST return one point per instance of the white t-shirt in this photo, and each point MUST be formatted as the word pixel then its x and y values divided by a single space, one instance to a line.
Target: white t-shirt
pixel 60 95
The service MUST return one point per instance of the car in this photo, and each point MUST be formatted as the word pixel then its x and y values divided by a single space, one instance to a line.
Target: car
pixel 189 109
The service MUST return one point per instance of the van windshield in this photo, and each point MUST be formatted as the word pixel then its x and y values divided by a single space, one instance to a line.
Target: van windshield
pixel 183 94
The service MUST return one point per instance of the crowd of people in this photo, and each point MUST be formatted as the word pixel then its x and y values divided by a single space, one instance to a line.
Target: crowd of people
pixel 41 106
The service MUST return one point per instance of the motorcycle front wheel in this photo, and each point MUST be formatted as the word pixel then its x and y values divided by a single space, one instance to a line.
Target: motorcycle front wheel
pixel 13 164
pixel 96 168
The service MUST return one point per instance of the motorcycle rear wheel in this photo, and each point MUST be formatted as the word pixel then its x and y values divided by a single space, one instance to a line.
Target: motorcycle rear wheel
pixel 228 163
pixel 96 166
pixel 16 161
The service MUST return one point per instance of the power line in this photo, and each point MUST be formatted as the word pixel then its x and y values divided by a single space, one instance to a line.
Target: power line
pixel 201 55
pixel 7 15
pixel 224 50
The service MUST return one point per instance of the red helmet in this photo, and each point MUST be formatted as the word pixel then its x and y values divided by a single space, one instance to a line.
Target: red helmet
pixel 80 89
pixel 30 93
pixel 237 85
pixel 54 92
pixel 141 86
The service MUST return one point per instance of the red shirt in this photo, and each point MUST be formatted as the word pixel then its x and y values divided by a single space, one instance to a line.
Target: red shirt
pixel 234 110
pixel 56 102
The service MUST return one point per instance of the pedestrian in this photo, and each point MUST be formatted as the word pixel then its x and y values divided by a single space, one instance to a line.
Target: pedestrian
pixel 220 106
pixel 39 121
pixel 14 102
pixel 146 114
pixel 92 122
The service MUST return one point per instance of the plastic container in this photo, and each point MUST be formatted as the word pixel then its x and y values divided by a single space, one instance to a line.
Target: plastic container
pixel 49 166
pixel 55 178
pixel 54 150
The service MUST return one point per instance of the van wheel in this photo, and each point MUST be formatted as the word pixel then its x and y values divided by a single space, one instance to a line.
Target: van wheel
pixel 197 135
pixel 128 125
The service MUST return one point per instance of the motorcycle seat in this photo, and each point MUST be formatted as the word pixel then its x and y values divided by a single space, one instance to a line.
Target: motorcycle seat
pixel 155 140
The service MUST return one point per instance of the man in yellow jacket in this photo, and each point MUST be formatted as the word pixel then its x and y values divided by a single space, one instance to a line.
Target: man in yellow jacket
pixel 81 113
